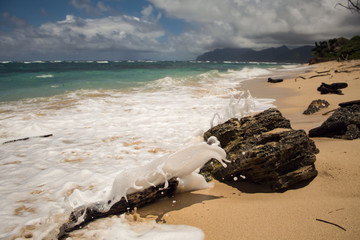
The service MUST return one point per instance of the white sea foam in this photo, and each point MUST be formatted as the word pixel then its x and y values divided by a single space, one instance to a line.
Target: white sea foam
pixel 96 135
pixel 118 228
pixel 45 76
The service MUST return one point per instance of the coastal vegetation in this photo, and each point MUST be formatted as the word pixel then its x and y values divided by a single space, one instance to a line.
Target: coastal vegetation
pixel 337 49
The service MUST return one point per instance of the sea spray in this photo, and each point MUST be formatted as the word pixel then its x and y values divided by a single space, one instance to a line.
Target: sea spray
pixel 182 164
pixel 237 108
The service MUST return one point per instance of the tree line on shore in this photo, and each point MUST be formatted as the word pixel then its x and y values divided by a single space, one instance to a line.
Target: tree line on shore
pixel 337 49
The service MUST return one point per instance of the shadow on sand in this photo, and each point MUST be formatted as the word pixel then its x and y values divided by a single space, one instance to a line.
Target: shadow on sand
pixel 248 187
pixel 177 202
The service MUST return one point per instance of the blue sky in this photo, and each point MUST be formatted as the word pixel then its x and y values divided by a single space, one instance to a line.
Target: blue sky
pixel 163 29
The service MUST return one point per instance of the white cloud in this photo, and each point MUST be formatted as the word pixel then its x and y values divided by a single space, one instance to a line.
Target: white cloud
pixel 259 23
pixel 114 33
pixel 148 14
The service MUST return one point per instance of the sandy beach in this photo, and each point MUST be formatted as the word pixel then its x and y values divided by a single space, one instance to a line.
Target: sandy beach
pixel 240 210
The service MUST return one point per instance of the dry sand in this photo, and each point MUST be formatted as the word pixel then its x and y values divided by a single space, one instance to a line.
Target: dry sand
pixel 248 211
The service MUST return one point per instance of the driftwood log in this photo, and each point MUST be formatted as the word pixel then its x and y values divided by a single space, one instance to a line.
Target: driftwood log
pixel 83 215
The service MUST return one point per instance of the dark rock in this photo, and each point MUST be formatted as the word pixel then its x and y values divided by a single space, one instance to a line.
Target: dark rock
pixel 315 106
pixel 247 126
pixel 344 123
pixel 336 85
pixel 325 90
pixel 271 80
pixel 280 158
pixel 331 88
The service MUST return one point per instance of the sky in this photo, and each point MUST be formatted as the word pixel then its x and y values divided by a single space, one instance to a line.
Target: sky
pixel 163 29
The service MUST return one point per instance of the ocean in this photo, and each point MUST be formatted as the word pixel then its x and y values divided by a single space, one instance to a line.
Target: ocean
pixel 103 118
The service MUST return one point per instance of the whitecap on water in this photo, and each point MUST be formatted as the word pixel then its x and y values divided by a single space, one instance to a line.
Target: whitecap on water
pixel 45 76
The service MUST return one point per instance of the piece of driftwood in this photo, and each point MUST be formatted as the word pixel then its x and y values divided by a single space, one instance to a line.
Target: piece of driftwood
pixel 327 71
pixel 86 214
pixel 324 221
pixel 27 138
pixel 319 75
pixel 301 77
pixel 329 112
pixel 342 71
pixel 350 103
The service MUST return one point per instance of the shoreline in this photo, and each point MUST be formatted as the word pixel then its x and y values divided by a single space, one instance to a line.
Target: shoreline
pixel 241 210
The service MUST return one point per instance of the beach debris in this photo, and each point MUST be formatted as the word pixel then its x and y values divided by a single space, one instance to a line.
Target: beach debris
pixel 342 71
pixel 319 75
pixel 27 138
pixel 332 88
pixel 275 154
pixel 321 72
pixel 315 106
pixel 272 80
pixel 85 214
pixel 344 123
pixel 324 221
pixel 326 113
pixel 301 77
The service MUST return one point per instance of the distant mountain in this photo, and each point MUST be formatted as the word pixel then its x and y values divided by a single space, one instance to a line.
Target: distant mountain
pixel 280 54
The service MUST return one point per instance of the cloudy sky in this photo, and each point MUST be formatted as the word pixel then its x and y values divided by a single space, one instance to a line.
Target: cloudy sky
pixel 163 29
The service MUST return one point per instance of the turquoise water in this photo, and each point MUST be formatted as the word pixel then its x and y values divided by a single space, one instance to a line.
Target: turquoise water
pixel 19 80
